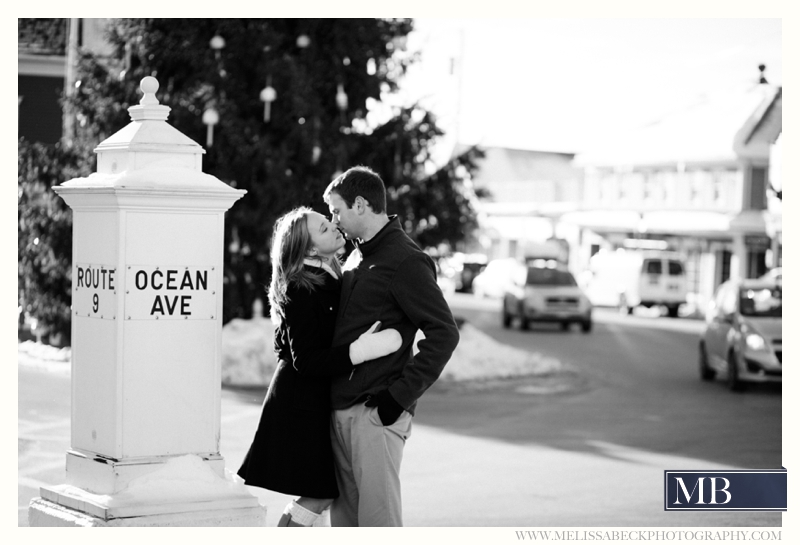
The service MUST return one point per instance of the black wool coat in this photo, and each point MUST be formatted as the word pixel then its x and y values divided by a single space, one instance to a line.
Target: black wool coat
pixel 291 452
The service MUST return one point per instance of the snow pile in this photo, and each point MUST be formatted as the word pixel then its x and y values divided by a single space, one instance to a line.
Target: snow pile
pixel 247 354
pixel 248 360
pixel 478 356
pixel 45 352
pixel 44 357
pixel 179 479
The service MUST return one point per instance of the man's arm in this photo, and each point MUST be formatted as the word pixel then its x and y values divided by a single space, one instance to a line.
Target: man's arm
pixel 415 290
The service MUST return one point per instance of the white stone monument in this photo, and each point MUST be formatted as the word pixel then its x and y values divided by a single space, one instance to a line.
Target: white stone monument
pixel 148 235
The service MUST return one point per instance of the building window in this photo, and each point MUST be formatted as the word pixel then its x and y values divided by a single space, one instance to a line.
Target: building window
pixel 699 181
pixel 758 188
pixel 756 263
pixel 635 186
pixel 669 180
pixel 725 269
pixel 717 188
pixel 607 188
pixel 728 185
pixel 649 183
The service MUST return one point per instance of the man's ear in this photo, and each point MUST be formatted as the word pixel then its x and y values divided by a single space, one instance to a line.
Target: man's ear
pixel 361 204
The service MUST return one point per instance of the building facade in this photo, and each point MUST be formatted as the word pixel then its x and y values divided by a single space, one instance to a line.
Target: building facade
pixel 697 182
pixel 703 182
pixel 528 191
pixel 46 52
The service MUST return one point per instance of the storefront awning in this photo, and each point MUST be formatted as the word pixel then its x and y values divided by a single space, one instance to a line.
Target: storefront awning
pixel 684 223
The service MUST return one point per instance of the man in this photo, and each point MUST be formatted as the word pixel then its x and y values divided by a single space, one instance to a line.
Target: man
pixel 386 278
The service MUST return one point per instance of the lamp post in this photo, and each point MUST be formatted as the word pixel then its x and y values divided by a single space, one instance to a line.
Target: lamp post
pixel 268 96
pixel 210 118
pixel 217 43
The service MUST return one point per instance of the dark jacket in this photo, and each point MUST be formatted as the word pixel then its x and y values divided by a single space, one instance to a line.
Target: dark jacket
pixel 291 452
pixel 394 282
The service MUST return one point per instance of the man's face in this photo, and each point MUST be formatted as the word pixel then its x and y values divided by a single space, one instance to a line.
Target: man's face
pixel 343 217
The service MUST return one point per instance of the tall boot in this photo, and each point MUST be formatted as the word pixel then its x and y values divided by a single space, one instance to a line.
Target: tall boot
pixel 296 515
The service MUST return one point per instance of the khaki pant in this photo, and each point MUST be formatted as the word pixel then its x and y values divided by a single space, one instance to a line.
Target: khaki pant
pixel 368 457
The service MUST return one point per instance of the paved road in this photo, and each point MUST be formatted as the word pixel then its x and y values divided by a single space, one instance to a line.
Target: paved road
pixel 637 385
pixel 591 456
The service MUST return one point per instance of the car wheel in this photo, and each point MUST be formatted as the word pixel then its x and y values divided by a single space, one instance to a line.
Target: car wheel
pixel 706 372
pixel 734 382
pixel 672 311
pixel 524 324
pixel 586 326
pixel 623 305
pixel 564 326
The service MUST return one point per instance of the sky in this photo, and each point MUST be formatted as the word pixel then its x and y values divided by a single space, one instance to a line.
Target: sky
pixel 563 84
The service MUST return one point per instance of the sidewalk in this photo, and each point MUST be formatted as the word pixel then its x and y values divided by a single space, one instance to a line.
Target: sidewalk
pixel 448 479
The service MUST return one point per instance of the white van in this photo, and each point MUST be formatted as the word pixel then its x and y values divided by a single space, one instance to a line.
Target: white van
pixel 627 279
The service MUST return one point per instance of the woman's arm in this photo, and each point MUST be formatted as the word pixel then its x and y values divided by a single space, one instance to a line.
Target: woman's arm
pixel 309 340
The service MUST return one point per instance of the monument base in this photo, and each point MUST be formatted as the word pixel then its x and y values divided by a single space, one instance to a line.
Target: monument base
pixel 100 475
pixel 184 491
pixel 44 513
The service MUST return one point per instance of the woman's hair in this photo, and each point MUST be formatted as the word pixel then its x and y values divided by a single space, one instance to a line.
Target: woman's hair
pixel 291 244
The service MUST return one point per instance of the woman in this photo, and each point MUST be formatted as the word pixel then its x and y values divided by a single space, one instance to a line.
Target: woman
pixel 291 452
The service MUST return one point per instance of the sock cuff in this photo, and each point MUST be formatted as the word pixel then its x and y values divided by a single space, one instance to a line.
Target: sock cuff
pixel 300 514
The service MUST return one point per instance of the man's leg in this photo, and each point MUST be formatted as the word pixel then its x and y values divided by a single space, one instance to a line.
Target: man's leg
pixel 377 452
pixel 344 511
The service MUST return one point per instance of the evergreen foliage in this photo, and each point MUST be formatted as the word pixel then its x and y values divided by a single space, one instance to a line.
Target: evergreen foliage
pixel 310 137
pixel 44 243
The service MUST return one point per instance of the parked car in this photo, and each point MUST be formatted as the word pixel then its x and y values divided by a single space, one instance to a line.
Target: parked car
pixel 742 340
pixel 463 268
pixel 494 279
pixel 627 279
pixel 540 294
pixel 471 267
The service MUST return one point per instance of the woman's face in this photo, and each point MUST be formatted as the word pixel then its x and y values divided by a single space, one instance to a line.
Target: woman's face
pixel 325 237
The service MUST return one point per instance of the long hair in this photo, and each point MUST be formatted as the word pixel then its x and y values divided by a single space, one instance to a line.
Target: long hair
pixel 291 243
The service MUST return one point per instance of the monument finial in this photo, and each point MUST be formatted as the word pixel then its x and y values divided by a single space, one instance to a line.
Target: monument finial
pixel 149 86
pixel 149 107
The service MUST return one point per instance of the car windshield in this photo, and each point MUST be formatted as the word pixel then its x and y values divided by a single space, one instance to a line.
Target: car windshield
pixel 549 277
pixel 761 302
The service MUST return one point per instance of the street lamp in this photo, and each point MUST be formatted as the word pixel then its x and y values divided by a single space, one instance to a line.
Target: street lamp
pixel 268 95
pixel 341 98
pixel 210 118
pixel 217 43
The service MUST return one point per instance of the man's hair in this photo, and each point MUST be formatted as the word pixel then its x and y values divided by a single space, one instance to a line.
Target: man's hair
pixel 362 182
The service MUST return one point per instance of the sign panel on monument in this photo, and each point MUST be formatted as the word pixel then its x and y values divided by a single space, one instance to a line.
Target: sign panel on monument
pixel 170 292
pixel 94 289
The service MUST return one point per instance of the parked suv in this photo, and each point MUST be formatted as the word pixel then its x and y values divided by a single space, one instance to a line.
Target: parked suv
pixel 742 339
pixel 540 294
